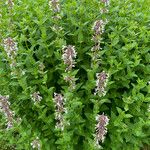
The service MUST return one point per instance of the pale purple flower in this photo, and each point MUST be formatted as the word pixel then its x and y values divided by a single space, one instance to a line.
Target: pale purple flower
pixel 101 128
pixel 5 109
pixel 36 143
pixel 56 28
pixel 103 11
pixel 96 47
pixel 69 54
pixel 59 110
pixel 10 3
pixel 98 27
pixel 106 2
pixel 10 47
pixel 71 81
pixel 101 82
pixel 54 5
pixel 36 97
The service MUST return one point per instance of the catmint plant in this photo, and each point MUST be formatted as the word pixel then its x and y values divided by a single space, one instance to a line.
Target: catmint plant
pixel 70 85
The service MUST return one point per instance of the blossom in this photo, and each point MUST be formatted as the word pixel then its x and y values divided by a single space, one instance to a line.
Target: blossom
pixel 10 3
pixel 71 81
pixel 103 10
pixel 41 68
pixel 36 97
pixel 101 83
pixel 96 47
pixel 106 2
pixel 10 47
pixel 4 107
pixel 59 105
pixel 56 28
pixel 68 56
pixel 101 129
pixel 36 143
pixel 54 5
pixel 98 27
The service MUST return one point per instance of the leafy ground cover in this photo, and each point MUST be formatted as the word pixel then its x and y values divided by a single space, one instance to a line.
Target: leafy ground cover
pixel 74 74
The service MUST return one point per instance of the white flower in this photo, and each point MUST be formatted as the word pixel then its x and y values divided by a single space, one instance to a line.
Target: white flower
pixel 101 83
pixel 59 110
pixel 101 129
pixel 8 113
pixel 54 5
pixel 68 56
pixel 10 47
pixel 36 97
pixel 36 143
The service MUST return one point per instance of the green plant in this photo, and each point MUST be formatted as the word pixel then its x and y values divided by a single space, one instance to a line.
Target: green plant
pixel 114 65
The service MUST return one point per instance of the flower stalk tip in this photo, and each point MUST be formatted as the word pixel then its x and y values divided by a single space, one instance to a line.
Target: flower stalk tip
pixel 59 110
pixel 36 144
pixel 69 54
pixel 101 83
pixel 5 109
pixel 36 97
pixel 101 128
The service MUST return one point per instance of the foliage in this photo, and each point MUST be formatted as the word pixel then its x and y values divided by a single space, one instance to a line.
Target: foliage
pixel 125 56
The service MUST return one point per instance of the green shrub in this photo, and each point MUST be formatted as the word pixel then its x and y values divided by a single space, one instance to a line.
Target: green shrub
pixel 48 89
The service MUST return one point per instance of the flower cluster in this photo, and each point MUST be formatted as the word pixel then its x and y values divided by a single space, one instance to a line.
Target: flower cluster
pixel 71 81
pixel 98 29
pixel 10 47
pixel 68 56
pixel 36 97
pixel 4 107
pixel 104 10
pixel 106 2
pixel 41 68
pixel 59 104
pixel 36 143
pixel 10 3
pixel 101 129
pixel 101 82
pixel 54 5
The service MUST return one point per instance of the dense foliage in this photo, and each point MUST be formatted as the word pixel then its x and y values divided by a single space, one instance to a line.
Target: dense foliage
pixel 45 86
